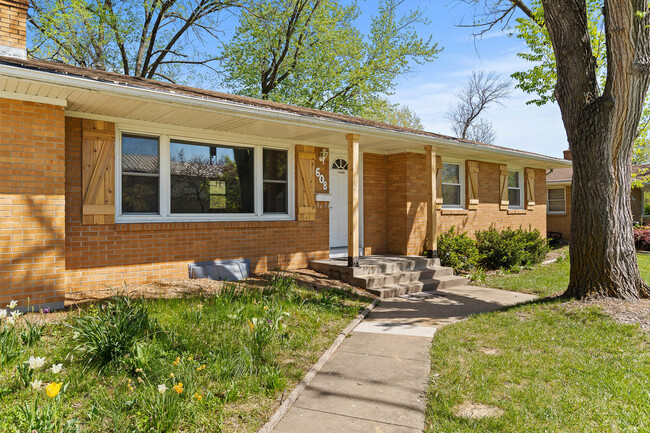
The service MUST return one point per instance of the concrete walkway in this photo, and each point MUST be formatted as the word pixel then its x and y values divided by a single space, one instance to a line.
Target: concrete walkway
pixel 376 380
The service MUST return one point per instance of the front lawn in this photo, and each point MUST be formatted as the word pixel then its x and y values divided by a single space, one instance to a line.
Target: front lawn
pixel 547 280
pixel 548 366
pixel 199 363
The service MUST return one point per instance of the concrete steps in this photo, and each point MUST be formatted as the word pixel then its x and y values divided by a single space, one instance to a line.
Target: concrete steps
pixel 390 276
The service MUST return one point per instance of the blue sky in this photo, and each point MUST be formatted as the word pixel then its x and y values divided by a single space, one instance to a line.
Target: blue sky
pixel 432 88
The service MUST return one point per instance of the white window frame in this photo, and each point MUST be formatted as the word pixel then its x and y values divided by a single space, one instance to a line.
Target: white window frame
pixel 548 201
pixel 461 175
pixel 520 172
pixel 165 137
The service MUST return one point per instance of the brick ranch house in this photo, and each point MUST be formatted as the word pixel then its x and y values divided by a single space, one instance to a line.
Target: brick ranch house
pixel 106 179
pixel 558 199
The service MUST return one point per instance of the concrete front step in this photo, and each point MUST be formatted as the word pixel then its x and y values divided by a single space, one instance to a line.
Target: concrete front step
pixel 390 276
pixel 373 265
pixel 374 281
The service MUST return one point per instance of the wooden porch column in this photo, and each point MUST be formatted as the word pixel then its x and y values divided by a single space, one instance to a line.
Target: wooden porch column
pixel 432 190
pixel 353 199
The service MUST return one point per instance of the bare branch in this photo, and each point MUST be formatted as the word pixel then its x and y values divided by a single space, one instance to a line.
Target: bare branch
pixel 481 91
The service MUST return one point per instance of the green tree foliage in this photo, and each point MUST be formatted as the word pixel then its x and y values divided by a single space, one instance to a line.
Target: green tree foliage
pixel 309 53
pixel 382 110
pixel 541 78
pixel 151 39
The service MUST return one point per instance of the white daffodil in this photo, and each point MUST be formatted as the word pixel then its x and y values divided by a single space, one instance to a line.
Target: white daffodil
pixel 36 384
pixel 35 363
pixel 56 368
pixel 16 314
pixel 162 388
pixel 11 320
pixel 12 305
pixel 3 314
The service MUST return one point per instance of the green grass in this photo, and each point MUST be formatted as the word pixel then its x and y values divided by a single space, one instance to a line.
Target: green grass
pixel 555 370
pixel 547 280
pixel 256 344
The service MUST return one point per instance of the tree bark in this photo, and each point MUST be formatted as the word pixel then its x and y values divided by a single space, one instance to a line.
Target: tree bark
pixel 600 128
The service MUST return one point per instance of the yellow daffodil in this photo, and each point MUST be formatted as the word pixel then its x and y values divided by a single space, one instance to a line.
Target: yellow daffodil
pixel 171 374
pixel 189 358
pixel 53 389
pixel 178 360
pixel 266 308
pixel 178 387
pixel 198 396
pixel 202 367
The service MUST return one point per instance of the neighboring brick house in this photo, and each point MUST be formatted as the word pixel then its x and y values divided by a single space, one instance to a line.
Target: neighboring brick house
pixel 558 199
pixel 106 179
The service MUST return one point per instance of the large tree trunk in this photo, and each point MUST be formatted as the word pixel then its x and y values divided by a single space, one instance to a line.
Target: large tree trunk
pixel 601 127
pixel 603 258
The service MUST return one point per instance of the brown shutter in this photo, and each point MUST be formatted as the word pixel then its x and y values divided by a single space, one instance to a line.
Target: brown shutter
pixel 530 188
pixel 306 191
pixel 503 187
pixel 438 182
pixel 472 185
pixel 98 172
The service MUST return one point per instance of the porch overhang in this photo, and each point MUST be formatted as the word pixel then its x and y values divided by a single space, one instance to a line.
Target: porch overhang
pixel 105 100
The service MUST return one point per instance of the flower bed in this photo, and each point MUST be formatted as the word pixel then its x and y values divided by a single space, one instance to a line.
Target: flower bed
pixel 215 362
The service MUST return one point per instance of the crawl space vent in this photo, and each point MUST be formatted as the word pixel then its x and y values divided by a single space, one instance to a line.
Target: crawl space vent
pixel 226 270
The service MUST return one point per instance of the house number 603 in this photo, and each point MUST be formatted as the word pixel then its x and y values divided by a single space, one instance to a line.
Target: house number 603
pixel 321 178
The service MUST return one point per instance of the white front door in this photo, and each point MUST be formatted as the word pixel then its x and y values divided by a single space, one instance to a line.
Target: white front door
pixel 338 201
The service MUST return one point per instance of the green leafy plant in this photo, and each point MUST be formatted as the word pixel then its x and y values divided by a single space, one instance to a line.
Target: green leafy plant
pixel 9 345
pixel 111 331
pixel 457 250
pixel 32 332
pixel 510 249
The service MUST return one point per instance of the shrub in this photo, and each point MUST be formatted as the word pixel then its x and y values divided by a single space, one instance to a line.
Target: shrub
pixel 510 249
pixel 111 331
pixel 457 251
pixel 642 238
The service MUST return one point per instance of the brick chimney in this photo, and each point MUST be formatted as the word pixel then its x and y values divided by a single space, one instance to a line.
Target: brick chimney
pixel 13 28
pixel 567 153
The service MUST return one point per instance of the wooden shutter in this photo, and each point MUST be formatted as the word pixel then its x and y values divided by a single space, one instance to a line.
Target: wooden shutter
pixel 306 191
pixel 98 172
pixel 438 182
pixel 503 187
pixel 530 188
pixel 472 185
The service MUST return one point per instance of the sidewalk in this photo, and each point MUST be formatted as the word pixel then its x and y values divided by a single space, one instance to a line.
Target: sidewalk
pixel 376 380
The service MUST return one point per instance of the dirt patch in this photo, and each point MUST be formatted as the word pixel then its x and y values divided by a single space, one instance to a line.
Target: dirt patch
pixel 176 288
pixel 469 410
pixel 489 351
pixel 621 311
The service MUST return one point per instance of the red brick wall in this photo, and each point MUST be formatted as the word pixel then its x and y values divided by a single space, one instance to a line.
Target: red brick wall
pixel 561 223
pixel 396 203
pixel 97 256
pixel 13 22
pixel 32 205
pixel 407 205
pixel 375 187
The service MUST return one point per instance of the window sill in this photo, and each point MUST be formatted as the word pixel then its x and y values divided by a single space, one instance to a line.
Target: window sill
pixel 516 211
pixel 454 212
pixel 142 224
pixel 556 213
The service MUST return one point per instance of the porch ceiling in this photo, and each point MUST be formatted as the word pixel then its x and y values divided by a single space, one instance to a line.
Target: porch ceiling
pixel 85 98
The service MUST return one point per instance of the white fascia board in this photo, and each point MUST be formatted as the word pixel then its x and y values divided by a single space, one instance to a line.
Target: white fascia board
pixel 254 112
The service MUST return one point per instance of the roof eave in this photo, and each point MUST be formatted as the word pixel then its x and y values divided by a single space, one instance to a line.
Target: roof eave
pixel 265 113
